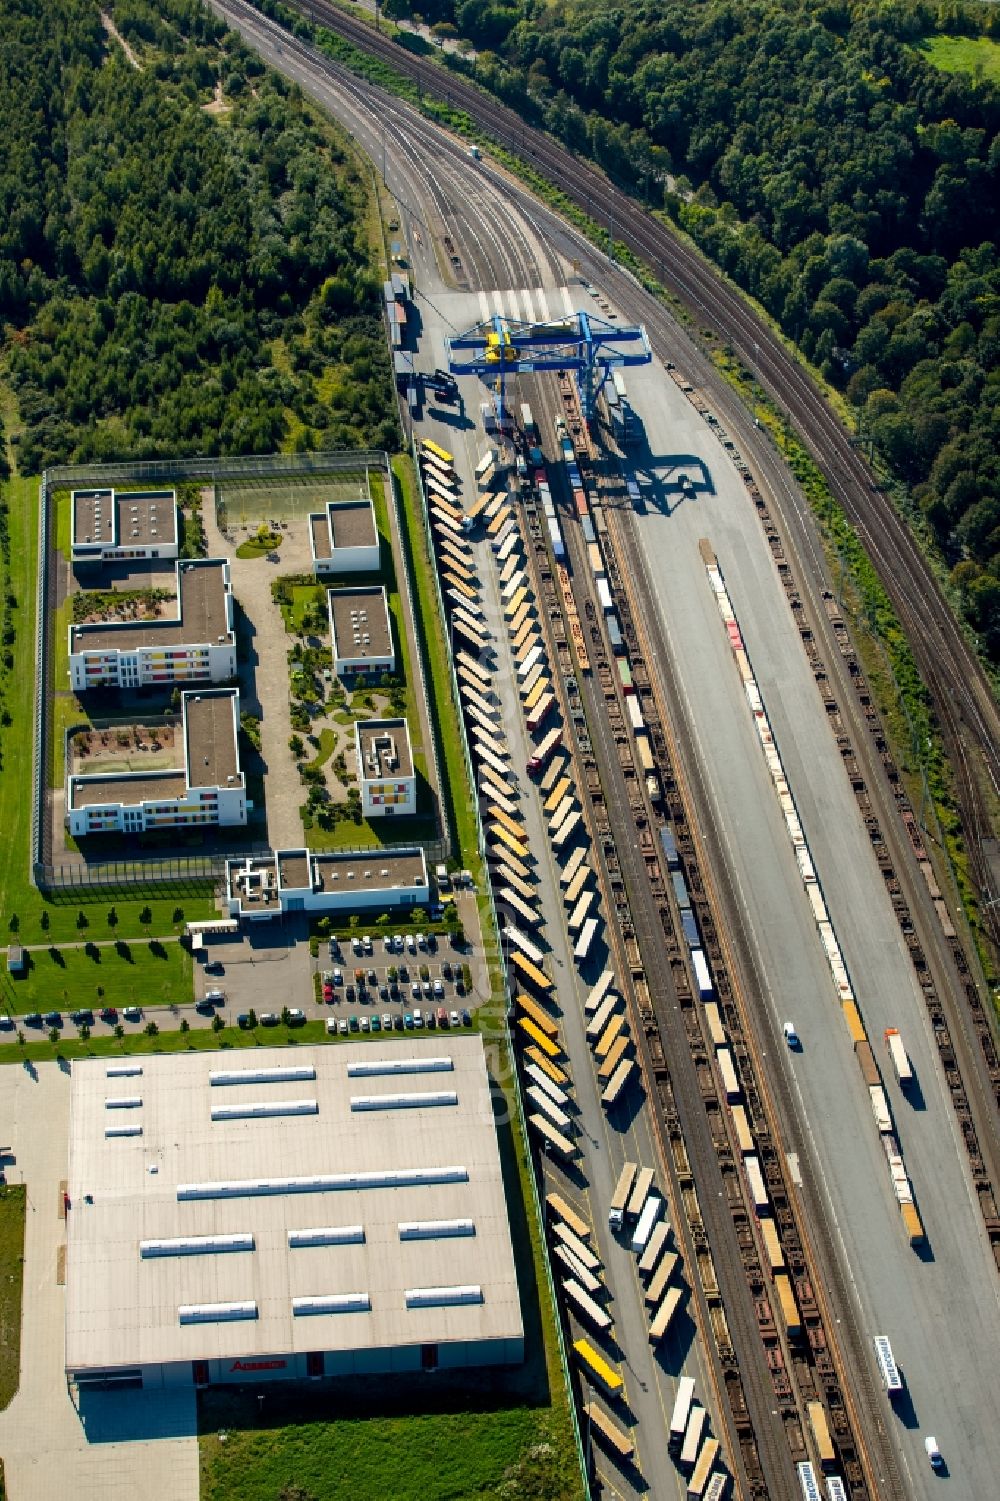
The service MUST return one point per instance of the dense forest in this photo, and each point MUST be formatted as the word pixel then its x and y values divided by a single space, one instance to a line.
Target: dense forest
pixel 183 256
pixel 818 155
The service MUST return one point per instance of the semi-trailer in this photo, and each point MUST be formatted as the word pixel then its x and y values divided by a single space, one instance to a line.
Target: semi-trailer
pixel 538 758
pixel 626 1178
pixel 646 1223
pixel 898 1054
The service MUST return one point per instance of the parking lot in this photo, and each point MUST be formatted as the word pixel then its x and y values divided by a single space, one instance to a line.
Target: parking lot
pixel 373 981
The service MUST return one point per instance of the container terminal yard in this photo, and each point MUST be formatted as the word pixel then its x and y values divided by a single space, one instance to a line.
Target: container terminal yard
pixel 755 1064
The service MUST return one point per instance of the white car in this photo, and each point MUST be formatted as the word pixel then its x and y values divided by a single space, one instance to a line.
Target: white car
pixel 331 1025
pixel 791 1036
pixel 933 1453
pixel 365 1024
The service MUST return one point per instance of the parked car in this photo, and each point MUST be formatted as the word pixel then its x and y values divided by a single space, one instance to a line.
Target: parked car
pixel 356 947
pixel 215 967
pixel 53 1019
pixel 269 1019
pixel 397 943
pixel 430 1019
pixel 6 1022
pixel 367 944
pixel 376 1023
pixel 453 1017
pixel 408 1022
pixel 411 944
pixel 349 992
pixel 365 1024
pixel 386 1021
pixel 109 1014
pixel 438 988
pixel 352 1023
pixel 328 992
pixel 446 969
pixel 466 1018
pixel 217 997
pixel 82 1018
pixel 331 1025
pixel 243 1020
pixel 372 977
pixel 338 977
pixel 342 1026
pixel 132 1013
pixel 296 1017
pixel 442 1016
pixel 205 1006
pixel 459 986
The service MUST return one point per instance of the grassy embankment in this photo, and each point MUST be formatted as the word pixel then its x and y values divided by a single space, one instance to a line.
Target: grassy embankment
pixel 13 1199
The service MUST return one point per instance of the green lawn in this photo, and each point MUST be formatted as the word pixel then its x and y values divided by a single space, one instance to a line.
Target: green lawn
pixel 456 792
pixel 977 55
pixel 60 979
pixel 13 1198
pixel 20 903
pixel 253 547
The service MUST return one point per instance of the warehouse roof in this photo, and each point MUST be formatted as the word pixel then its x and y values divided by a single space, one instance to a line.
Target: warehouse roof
pixel 218 1198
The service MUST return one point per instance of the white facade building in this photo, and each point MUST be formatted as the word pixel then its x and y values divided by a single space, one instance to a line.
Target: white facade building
pixel 386 775
pixel 306 881
pixel 108 526
pixel 344 538
pixel 361 631
pixel 197 645
pixel 209 788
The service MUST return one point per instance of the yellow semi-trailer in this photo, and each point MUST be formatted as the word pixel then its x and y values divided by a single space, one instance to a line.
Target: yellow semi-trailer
pixel 555 1073
pixel 561 1209
pixel 660 1280
pixel 620 1080
pixel 597 1369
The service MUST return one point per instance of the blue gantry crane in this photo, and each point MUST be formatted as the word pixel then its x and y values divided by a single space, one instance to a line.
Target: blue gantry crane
pixel 591 347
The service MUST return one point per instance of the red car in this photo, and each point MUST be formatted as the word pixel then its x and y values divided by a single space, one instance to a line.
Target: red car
pixel 328 992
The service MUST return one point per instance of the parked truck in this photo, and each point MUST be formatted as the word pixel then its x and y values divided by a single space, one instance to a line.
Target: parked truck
pixel 620 1197
pixel 898 1054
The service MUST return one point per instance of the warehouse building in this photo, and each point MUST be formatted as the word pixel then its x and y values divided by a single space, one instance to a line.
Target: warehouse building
pixel 361 631
pixel 197 645
pixel 385 767
pixel 344 538
pixel 297 1213
pixel 112 526
pixel 342 881
pixel 207 788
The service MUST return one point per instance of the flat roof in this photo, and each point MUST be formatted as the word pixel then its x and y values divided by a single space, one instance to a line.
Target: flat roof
pixel 352 523
pixel 201 617
pixel 379 1196
pixel 124 519
pixel 356 614
pixel 320 528
pixel 293 868
pixel 384 749
pixel 94 517
pixel 370 870
pixel 210 738
pixel 125 788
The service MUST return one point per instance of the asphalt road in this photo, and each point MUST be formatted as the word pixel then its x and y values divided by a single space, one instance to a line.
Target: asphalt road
pixel 942 1313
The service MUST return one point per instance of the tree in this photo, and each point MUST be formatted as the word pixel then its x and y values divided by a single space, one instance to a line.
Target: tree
pixel 112 918
pixel 185 1024
pixel 286 1016
pixel 251 1019
pixel 84 1032
pixel 54 1035
pixel 418 916
pixel 82 920
pixel 15 922
pixel 119 1031
pixel 45 919
pixel 152 1030
pixel 178 915
pixel 146 918
pixel 217 1023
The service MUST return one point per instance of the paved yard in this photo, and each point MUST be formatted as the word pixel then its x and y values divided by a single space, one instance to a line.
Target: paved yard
pixel 263 669
pixel 126 1446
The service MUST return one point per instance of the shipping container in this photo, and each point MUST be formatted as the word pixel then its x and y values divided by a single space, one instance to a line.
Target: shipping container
pixel 807 1481
pixel 865 1057
pixel 576 1269
pixel 664 1315
pixel 566 830
pixel 635 713
pixel 555 1073
pixel 789 1307
pixel 587 527
pixel 660 1281
pixel 655 1247
pixel 898 1054
pixel 615 638
pixel 617 1054
pixel 625 677
pixel 680 890
pixel 618 1083
pixel 561 1209
pixel 607 1432
pixel 681 1413
pixel 669 844
pixel 730 1083
pixel 912 1224
pixel 701 974
pixel 836 1490
pixel 854 1023
pixel 755 1180
pixel 553 1140
pixel 597 1369
pixel 554 1113
pixel 692 1437
pixel 532 1009
pixel 584 1305
pixel 713 1020
pixel 816 1413
pixel 594 558
pixel 644 751
pixel 887 1368
pixel 604 595
pixel 772 1245
pixel 744 1138
pixel 702 1469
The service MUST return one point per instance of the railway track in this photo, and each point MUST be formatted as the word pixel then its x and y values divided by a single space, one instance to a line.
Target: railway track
pixel 960 692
